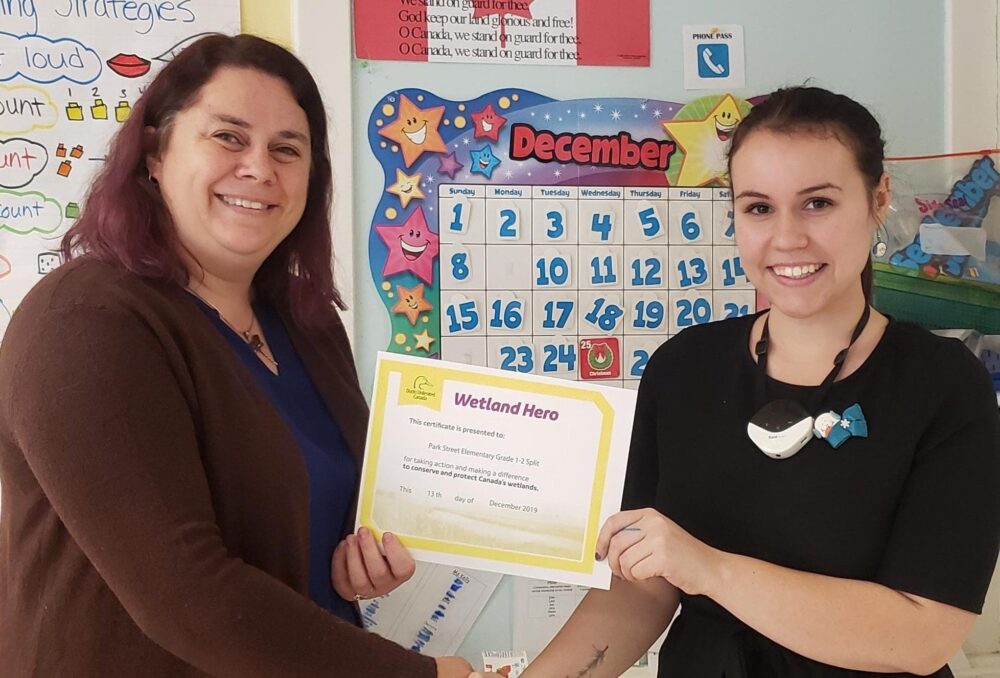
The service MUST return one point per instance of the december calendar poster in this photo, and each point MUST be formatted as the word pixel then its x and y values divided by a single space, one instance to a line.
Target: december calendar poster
pixel 567 238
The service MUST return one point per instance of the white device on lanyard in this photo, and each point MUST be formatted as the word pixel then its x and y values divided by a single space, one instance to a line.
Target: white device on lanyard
pixel 781 428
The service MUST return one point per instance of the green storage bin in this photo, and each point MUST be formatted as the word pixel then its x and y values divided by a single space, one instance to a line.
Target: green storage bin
pixel 941 303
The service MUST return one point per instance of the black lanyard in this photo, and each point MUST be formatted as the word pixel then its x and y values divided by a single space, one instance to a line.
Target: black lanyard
pixel 824 389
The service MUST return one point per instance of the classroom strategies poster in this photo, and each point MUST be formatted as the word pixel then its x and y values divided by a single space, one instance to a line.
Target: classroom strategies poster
pixel 70 71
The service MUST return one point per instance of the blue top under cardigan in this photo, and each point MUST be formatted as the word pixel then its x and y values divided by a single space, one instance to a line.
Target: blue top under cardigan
pixel 332 471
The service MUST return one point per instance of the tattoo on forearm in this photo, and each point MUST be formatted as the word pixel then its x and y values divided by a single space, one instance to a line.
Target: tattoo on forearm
pixel 593 664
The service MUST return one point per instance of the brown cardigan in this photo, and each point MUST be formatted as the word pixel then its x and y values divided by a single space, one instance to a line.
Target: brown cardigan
pixel 155 506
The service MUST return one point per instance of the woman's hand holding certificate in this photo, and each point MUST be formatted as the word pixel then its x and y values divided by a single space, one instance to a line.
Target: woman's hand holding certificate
pixel 643 544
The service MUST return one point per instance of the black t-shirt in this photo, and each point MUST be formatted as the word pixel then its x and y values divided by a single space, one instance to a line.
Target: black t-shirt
pixel 914 506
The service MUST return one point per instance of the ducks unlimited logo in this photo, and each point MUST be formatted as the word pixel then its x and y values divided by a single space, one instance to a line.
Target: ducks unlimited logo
pixel 600 358
pixel 420 388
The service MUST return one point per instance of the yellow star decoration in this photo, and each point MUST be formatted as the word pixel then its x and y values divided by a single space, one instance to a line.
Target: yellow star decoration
pixel 423 341
pixel 407 188
pixel 415 130
pixel 411 303
pixel 704 144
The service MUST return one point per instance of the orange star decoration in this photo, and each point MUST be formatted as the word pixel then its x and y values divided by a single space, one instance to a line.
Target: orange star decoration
pixel 704 143
pixel 423 341
pixel 415 130
pixel 411 302
pixel 407 188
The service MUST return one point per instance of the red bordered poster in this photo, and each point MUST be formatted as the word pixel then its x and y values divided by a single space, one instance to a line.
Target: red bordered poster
pixel 538 32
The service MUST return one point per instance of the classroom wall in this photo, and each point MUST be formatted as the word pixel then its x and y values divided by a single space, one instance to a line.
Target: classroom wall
pixel 927 68
pixel 892 55
pixel 889 55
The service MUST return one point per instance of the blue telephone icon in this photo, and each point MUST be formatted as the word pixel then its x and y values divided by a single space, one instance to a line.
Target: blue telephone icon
pixel 713 60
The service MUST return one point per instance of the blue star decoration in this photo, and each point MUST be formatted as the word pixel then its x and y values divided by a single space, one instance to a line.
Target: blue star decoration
pixel 484 162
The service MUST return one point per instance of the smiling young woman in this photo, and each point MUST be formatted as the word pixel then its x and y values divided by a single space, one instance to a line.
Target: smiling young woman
pixel 805 221
pixel 869 548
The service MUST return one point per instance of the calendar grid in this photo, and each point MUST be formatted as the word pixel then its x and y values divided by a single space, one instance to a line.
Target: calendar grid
pixel 620 268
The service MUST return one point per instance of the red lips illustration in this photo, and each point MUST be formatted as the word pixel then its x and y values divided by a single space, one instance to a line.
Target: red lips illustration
pixel 129 65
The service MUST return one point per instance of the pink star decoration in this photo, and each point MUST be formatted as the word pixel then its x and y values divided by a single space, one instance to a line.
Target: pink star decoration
pixel 412 247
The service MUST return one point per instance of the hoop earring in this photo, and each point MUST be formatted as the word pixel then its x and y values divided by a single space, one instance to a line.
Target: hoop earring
pixel 152 180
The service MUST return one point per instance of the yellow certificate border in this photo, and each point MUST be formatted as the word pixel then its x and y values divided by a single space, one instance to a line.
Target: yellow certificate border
pixel 439 375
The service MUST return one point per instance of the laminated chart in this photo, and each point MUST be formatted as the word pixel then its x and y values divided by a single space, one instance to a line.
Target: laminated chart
pixel 562 238
pixel 432 612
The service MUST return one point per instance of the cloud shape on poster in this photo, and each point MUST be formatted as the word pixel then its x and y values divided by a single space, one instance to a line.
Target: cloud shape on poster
pixel 29 212
pixel 21 160
pixel 44 60
pixel 25 108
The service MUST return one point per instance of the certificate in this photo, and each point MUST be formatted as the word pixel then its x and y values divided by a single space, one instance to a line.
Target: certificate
pixel 497 471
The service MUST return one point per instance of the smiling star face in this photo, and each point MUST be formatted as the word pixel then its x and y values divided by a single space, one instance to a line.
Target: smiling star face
pixel 407 188
pixel 484 162
pixel 725 122
pixel 413 246
pixel 415 130
pixel 488 123
pixel 413 243
pixel 704 142
pixel 411 302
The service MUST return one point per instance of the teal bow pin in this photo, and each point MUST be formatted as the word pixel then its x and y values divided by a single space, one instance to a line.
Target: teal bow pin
pixel 835 428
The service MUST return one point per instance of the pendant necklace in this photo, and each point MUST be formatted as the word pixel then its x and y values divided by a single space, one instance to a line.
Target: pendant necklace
pixel 251 338
pixel 783 427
